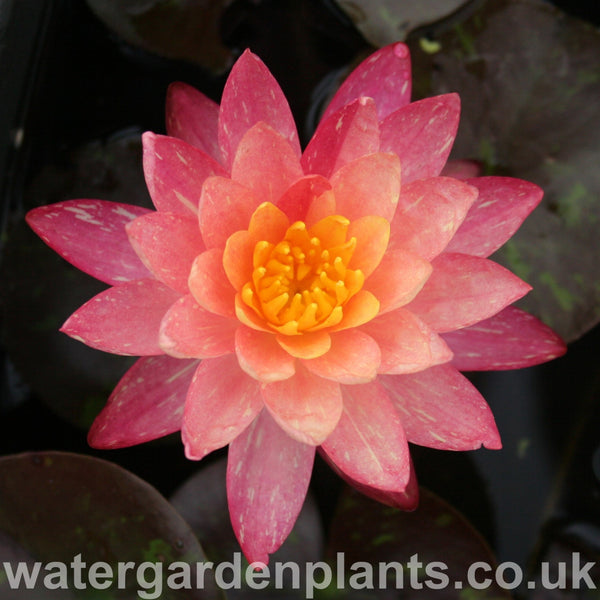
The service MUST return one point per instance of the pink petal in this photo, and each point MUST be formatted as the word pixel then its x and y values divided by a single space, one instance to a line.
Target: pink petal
pixel 225 207
pixel 300 196
pixel 209 285
pixel 372 234
pixel 441 409
pixel 261 356
pixel 251 95
pixel 422 134
pixel 124 319
pixel 90 234
pixel 369 444
pixel 368 186
pixel 512 339
pixel 308 345
pixel 354 357
pixel 463 290
pixel 190 331
pixel 265 163
pixel 267 479
pixel 407 345
pixel 175 171
pixel 193 118
pixel 399 277
pixel 384 76
pixel 221 402
pixel 503 204
pixel 462 169
pixel 305 406
pixel 348 134
pixel 429 213
pixel 146 404
pixel 167 243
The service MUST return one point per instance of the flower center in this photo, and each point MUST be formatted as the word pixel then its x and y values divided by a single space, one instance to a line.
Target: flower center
pixel 301 283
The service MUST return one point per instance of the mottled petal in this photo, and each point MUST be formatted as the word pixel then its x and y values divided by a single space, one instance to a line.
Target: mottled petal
pixel 221 402
pixel 175 171
pixel 190 331
pixel 463 290
pixel 167 243
pixel 346 135
pixel 268 474
pixel 261 356
pixel 146 404
pixel 124 319
pixel 384 76
pixel 305 406
pixel 512 339
pixel 300 197
pixel 503 204
pixel 209 284
pixel 441 409
pixel 308 345
pixel 251 95
pixel 90 234
pixel 369 444
pixel 422 134
pixel 193 117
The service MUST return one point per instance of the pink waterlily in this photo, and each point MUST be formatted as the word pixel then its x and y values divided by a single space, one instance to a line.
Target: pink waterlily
pixel 284 300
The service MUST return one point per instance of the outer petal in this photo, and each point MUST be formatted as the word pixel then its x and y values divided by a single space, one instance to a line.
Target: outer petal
pixel 209 284
pixel 261 356
pixel 267 479
pixel 251 95
pixel 146 404
pixel 440 408
pixel 175 171
pixel 503 204
pixel 369 444
pixel 167 243
pixel 512 339
pixel 90 234
pixel 463 290
pixel 124 319
pixel 193 117
pixel 346 135
pixel 384 76
pixel 305 406
pixel 190 331
pixel 368 186
pixel 422 134
pixel 221 402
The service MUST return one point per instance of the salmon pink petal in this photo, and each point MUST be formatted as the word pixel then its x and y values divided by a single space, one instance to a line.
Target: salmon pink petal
pixel 369 445
pixel 268 223
pixel 300 196
pixel 463 290
pixel 422 134
pixel 305 406
pixel 308 345
pixel 348 134
pixel 146 404
pixel 209 285
pixel 124 319
pixel 399 277
pixel 190 331
pixel 193 118
pixel 407 345
pixel 512 339
pixel 167 243
pixel 221 402
pixel 358 310
pixel 503 204
pixel 225 207
pixel 368 186
pixel 279 165
pixel 429 213
pixel 372 234
pixel 261 356
pixel 441 409
pixel 354 357
pixel 268 474
pixel 90 234
pixel 323 206
pixel 248 317
pixel 252 94
pixel 384 76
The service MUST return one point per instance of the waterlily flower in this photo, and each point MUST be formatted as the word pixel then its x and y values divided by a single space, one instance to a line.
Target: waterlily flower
pixel 284 301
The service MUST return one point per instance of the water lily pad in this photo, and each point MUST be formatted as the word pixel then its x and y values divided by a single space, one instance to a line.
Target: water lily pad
pixel 69 508
pixel 530 109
